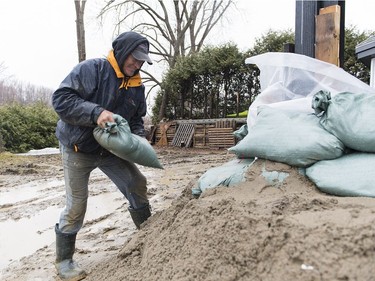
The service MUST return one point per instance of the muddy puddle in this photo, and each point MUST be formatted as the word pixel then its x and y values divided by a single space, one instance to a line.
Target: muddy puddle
pixel 24 236
pixel 30 210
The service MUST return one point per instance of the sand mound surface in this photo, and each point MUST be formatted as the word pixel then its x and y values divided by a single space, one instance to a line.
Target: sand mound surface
pixel 283 229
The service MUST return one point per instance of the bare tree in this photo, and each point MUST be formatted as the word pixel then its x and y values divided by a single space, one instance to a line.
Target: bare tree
pixel 13 90
pixel 174 30
pixel 3 68
pixel 80 11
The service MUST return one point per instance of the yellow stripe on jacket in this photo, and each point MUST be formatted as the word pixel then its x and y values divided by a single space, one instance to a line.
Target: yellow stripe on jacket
pixel 134 81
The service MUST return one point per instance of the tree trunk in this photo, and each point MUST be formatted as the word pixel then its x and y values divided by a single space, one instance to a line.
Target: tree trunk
pixel 226 86
pixel 182 104
pixel 163 105
pixel 205 98
pixel 190 95
pixel 80 11
pixel 237 104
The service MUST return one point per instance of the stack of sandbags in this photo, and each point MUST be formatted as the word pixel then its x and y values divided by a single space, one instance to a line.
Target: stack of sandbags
pixel 336 145
pixel 351 118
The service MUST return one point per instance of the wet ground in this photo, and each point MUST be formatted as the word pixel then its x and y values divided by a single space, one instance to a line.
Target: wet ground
pixel 276 225
pixel 32 196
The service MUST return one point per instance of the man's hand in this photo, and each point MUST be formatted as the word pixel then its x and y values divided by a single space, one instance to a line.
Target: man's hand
pixel 104 117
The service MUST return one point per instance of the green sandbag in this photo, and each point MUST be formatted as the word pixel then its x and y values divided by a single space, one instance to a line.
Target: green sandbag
pixel 289 137
pixel 241 132
pixel 228 174
pixel 118 139
pixel 348 116
pixel 350 175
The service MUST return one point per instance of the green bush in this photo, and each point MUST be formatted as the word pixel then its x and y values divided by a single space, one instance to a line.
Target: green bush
pixel 1 144
pixel 25 127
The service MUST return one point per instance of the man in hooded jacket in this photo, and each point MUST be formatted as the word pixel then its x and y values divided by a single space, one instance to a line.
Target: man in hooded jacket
pixel 89 96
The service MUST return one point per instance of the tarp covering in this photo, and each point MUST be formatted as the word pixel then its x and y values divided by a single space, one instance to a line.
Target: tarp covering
pixel 290 80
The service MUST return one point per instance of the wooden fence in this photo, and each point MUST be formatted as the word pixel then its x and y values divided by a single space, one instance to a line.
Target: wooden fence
pixel 202 133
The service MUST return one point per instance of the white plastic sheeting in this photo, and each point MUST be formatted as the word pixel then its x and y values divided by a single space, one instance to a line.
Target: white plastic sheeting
pixel 290 80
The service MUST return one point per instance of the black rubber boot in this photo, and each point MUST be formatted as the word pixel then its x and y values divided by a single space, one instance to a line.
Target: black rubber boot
pixel 67 269
pixel 139 216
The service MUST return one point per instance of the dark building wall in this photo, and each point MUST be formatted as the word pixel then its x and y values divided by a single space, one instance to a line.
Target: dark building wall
pixel 305 26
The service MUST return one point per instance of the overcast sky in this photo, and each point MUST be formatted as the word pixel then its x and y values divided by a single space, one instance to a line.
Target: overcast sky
pixel 38 37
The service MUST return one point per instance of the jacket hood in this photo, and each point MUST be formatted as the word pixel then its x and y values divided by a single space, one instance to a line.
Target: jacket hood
pixel 125 44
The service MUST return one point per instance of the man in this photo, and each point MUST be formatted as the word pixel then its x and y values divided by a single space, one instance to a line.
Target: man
pixel 89 96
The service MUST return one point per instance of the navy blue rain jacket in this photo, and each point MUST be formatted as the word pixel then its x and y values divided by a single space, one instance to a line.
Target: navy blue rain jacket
pixel 95 85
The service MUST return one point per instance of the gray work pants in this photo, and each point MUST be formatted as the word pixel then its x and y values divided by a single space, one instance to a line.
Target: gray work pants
pixel 77 168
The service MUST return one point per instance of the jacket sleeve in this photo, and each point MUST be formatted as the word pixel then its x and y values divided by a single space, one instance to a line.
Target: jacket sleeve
pixel 136 122
pixel 73 100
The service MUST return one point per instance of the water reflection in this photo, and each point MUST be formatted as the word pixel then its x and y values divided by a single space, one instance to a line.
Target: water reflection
pixel 25 236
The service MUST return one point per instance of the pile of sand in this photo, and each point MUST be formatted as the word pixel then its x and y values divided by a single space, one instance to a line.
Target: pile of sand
pixel 258 230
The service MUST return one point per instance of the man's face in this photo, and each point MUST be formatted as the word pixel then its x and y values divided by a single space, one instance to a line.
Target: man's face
pixel 131 65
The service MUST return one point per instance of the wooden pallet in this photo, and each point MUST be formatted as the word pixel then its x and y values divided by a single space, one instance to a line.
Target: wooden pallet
pixel 184 135
pixel 221 138
pixel 226 123
pixel 164 133
pixel 200 138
